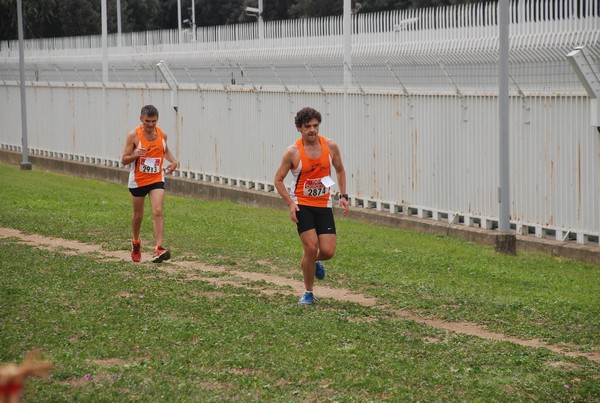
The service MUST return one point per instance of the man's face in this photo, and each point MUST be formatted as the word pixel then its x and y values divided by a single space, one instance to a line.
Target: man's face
pixel 310 130
pixel 148 122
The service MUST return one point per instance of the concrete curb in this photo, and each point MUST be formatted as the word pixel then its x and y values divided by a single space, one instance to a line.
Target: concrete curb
pixel 213 191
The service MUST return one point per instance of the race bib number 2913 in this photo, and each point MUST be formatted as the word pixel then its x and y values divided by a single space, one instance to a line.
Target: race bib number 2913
pixel 150 165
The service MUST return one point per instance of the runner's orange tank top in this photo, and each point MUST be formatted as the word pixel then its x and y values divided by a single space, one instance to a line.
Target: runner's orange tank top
pixel 307 187
pixel 148 169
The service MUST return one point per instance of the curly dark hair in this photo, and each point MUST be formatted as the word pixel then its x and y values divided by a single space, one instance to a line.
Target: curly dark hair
pixel 305 115
pixel 149 110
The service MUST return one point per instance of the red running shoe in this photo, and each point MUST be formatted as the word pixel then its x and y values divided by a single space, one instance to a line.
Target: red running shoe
pixel 136 250
pixel 160 254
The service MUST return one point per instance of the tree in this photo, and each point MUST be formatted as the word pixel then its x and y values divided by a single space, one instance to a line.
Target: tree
pixel 78 17
pixel 141 15
pixel 277 9
pixel 42 13
pixel 315 8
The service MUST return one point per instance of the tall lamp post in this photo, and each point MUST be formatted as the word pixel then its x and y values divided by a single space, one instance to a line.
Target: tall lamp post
pixel 104 16
pixel 179 22
pixel 506 242
pixel 25 164
pixel 257 12
pixel 194 20
pixel 119 39
pixel 347 34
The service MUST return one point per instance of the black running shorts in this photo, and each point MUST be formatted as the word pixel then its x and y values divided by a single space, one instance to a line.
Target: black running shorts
pixel 144 190
pixel 318 218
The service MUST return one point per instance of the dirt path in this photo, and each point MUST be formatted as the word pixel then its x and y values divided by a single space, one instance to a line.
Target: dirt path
pixel 284 286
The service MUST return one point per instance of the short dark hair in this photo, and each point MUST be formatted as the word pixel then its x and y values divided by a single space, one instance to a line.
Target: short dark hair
pixel 149 110
pixel 305 115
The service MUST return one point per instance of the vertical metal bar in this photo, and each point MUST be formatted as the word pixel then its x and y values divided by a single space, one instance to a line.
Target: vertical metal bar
pixel 104 43
pixel 504 158
pixel 104 72
pixel 261 22
pixel 25 164
pixel 119 37
pixel 194 20
pixel 179 21
pixel 347 23
pixel 347 44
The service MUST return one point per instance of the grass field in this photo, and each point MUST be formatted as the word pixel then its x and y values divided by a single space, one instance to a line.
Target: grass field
pixel 118 331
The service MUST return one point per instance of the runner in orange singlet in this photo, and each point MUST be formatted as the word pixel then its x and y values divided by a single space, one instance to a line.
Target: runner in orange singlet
pixel 145 151
pixel 147 170
pixel 309 160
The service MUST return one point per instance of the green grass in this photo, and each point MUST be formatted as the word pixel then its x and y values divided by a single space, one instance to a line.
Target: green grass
pixel 119 331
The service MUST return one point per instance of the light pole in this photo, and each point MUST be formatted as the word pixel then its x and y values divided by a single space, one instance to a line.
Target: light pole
pixel 506 242
pixel 179 22
pixel 119 23
pixel 104 12
pixel 347 23
pixel 257 12
pixel 25 164
pixel 194 20
pixel 104 42
pixel 261 22
pixel 347 31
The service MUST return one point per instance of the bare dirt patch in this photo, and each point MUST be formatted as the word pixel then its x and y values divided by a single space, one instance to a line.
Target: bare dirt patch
pixel 563 365
pixel 191 270
pixel 111 362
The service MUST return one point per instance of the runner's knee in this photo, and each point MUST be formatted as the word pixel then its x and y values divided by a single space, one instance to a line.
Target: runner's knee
pixel 326 254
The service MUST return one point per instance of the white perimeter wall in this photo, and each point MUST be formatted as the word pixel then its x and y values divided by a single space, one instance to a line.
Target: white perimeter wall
pixel 431 155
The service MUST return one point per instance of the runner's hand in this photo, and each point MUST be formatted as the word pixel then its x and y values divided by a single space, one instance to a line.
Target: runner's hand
pixel 172 167
pixel 293 209
pixel 345 205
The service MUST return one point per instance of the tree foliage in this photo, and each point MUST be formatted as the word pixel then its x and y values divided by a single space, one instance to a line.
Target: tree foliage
pixel 56 18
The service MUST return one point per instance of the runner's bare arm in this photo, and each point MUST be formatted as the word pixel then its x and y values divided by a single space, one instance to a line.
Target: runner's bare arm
pixel 340 172
pixel 174 164
pixel 131 152
pixel 287 163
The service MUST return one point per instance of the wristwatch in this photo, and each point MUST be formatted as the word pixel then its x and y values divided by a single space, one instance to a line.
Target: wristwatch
pixel 344 195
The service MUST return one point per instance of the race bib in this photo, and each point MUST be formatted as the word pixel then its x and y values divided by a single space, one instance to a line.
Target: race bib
pixel 315 188
pixel 149 165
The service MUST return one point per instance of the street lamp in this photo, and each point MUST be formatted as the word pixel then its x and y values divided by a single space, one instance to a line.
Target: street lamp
pixel 193 10
pixel 179 21
pixel 25 164
pixel 257 12
pixel 119 40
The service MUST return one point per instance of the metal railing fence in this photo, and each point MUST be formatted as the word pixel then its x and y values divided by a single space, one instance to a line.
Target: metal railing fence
pixel 419 48
pixel 467 21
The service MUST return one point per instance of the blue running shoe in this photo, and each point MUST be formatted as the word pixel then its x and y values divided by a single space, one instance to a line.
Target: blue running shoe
pixel 308 298
pixel 320 272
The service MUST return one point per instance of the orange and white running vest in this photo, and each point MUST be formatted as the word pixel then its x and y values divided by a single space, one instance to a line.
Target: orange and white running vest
pixel 147 170
pixel 307 186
